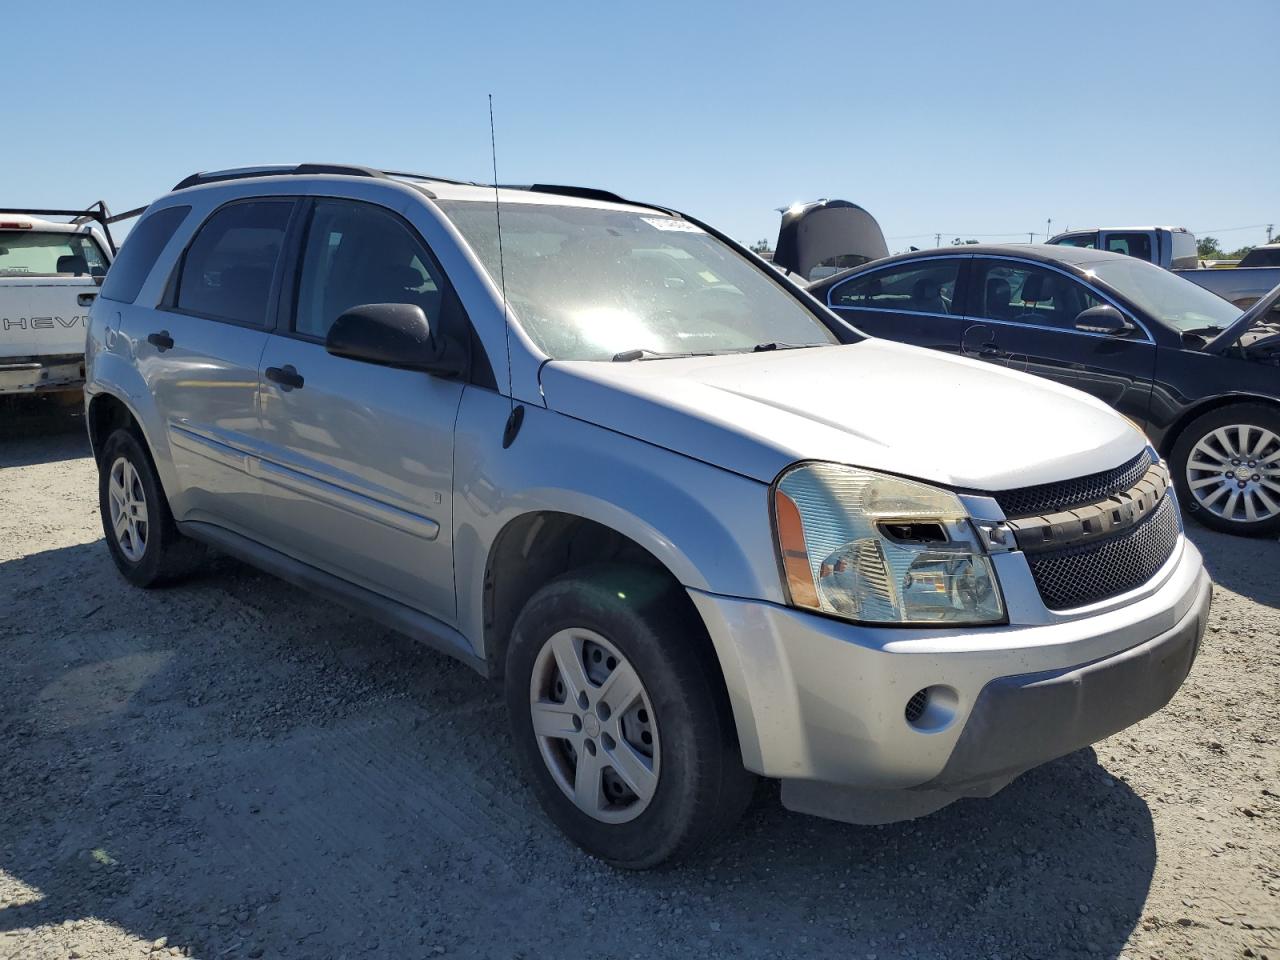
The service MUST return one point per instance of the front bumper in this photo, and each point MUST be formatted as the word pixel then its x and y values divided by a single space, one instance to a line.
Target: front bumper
pixel 821 701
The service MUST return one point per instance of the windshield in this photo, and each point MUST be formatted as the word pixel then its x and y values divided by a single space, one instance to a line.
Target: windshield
pixel 1181 304
pixel 589 283
pixel 32 254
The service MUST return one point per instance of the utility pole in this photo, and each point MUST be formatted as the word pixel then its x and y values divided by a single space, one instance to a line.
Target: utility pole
pixel 937 239
pixel 1048 229
pixel 1031 237
pixel 1270 226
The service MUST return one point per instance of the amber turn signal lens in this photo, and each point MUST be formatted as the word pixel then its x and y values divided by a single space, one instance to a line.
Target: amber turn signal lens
pixel 795 555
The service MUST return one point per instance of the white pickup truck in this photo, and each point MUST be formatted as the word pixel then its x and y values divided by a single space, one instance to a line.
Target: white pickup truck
pixel 49 277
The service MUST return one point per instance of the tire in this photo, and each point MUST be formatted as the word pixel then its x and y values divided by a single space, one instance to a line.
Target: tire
pixel 1243 440
pixel 148 550
pixel 697 787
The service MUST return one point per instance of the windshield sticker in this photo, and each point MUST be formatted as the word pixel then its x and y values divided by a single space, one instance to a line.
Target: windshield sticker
pixel 669 223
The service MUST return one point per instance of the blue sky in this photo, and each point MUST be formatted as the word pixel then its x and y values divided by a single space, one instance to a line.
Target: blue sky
pixel 972 118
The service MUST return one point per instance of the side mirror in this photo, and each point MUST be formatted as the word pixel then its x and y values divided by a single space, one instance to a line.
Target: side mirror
pixel 1104 319
pixel 394 335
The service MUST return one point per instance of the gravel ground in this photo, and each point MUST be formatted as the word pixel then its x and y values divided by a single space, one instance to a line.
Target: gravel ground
pixel 230 768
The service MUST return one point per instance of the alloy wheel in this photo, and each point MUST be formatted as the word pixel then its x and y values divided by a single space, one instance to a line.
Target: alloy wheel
pixel 128 502
pixel 1234 473
pixel 595 725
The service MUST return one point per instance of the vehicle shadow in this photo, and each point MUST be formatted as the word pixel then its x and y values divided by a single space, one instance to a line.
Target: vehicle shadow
pixel 38 429
pixel 250 771
pixel 1246 566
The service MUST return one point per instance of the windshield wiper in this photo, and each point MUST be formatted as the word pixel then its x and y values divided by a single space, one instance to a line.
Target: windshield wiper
pixel 1205 331
pixel 626 356
pixel 779 345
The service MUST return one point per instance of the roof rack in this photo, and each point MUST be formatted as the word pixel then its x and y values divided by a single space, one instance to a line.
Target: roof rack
pixel 303 170
pixel 351 170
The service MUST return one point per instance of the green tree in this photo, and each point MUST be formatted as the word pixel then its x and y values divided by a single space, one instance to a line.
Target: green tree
pixel 1207 249
pixel 1238 254
pixel 761 246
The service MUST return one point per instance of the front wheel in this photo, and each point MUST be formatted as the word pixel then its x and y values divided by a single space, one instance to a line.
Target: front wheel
pixel 1226 466
pixel 619 719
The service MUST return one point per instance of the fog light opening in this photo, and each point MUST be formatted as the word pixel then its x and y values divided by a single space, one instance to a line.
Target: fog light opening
pixel 931 709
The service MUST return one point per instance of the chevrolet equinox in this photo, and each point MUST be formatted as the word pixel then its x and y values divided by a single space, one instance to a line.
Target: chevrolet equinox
pixel 699 527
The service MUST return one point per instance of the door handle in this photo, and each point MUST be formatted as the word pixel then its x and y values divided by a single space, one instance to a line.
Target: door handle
pixel 86 299
pixel 161 341
pixel 287 377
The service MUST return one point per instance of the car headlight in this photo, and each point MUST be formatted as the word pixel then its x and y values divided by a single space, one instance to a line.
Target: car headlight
pixel 877 548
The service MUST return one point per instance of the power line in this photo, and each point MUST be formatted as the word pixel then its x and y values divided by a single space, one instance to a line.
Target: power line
pixel 1252 226
pixel 955 233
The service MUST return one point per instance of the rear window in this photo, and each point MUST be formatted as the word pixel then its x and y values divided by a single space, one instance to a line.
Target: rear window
pixel 33 253
pixel 1262 257
pixel 138 255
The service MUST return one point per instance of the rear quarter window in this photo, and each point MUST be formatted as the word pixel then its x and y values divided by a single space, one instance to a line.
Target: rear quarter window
pixel 129 271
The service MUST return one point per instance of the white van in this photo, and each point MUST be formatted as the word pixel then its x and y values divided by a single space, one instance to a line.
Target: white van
pixel 49 276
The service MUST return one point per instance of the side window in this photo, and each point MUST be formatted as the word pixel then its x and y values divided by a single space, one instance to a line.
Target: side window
pixel 128 272
pixel 1086 240
pixel 918 287
pixel 357 253
pixel 1134 244
pixel 227 270
pixel 1025 293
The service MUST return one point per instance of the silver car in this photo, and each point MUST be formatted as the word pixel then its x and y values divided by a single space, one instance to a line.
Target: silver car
pixel 699 527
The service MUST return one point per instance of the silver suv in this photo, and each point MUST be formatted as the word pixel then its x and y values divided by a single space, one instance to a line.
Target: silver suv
pixel 700 528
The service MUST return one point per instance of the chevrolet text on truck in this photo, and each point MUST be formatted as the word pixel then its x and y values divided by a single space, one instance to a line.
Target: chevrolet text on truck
pixel 699 527
pixel 49 275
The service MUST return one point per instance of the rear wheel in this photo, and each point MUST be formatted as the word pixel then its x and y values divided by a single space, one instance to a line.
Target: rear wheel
pixel 619 719
pixel 1226 466
pixel 144 541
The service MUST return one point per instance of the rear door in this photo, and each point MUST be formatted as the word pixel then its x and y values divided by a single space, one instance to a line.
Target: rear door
pixel 357 458
pixel 914 301
pixel 1022 315
pixel 199 354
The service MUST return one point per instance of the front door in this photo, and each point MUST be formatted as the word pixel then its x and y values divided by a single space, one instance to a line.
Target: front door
pixel 357 458
pixel 913 302
pixel 1022 315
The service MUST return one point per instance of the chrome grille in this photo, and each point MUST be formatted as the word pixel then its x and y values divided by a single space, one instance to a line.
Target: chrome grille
pixel 1087 574
pixel 1064 494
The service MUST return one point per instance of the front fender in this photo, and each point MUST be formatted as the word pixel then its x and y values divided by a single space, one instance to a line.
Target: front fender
pixel 710 528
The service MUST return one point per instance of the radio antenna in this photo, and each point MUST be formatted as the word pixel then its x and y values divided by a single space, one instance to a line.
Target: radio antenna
pixel 502 267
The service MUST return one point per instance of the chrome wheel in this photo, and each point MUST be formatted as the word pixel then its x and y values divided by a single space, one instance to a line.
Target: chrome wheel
pixel 595 726
pixel 1234 473
pixel 128 502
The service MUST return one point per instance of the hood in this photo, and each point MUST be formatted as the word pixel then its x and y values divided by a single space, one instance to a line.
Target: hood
pixel 1253 317
pixel 829 234
pixel 876 404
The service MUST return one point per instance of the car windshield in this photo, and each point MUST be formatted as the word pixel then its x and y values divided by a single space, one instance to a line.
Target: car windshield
pixel 589 283
pixel 1180 303
pixel 38 254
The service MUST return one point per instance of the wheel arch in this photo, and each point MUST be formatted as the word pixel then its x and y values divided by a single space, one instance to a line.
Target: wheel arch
pixel 537 546
pixel 108 412
pixel 1187 417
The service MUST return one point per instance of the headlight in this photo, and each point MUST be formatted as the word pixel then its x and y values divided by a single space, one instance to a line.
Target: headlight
pixel 871 547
